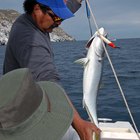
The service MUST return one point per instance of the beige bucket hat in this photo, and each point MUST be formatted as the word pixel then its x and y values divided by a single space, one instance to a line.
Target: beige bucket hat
pixel 32 111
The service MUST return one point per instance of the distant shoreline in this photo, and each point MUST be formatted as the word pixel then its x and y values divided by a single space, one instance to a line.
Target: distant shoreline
pixel 7 17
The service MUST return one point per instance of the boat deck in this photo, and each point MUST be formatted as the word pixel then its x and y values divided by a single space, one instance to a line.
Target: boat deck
pixel 117 131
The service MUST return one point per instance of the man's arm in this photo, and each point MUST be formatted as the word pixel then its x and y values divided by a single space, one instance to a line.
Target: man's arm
pixel 84 128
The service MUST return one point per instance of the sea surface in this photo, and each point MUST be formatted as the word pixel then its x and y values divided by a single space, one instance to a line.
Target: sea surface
pixel 110 104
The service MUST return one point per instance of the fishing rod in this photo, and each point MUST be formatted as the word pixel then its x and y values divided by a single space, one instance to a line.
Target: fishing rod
pixel 88 16
pixel 112 67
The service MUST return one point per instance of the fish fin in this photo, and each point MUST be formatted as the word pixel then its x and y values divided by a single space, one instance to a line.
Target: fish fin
pixel 83 103
pixel 82 61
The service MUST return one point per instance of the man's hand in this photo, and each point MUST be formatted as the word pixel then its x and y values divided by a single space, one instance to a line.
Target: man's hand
pixel 85 129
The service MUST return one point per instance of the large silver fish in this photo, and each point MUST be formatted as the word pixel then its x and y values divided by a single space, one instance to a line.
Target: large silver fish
pixel 93 64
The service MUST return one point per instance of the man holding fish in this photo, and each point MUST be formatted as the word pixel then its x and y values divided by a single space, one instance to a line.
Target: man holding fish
pixel 29 47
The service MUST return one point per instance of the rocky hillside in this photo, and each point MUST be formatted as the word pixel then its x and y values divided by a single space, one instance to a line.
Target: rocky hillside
pixel 7 17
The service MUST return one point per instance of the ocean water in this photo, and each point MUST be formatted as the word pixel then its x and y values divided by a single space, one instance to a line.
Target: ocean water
pixel 110 104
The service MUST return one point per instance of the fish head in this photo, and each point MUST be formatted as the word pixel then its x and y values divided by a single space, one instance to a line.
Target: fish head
pixel 95 44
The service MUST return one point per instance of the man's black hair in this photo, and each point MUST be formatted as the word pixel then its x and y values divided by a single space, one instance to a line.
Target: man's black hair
pixel 28 6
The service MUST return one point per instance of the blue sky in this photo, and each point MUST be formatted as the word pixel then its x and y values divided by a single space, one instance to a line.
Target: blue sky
pixel 120 18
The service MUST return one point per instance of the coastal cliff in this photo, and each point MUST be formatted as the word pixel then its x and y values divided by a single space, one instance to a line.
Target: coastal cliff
pixel 7 17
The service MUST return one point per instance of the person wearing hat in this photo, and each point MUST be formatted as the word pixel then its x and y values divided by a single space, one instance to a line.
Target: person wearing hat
pixel 29 47
pixel 29 110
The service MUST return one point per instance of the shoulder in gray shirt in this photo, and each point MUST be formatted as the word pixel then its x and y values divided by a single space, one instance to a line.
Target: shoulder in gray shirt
pixel 30 47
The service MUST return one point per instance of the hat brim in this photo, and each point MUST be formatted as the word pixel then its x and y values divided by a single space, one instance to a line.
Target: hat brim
pixel 59 8
pixel 63 13
pixel 51 125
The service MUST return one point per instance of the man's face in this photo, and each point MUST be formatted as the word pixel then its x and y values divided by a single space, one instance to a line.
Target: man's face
pixel 46 21
pixel 56 20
